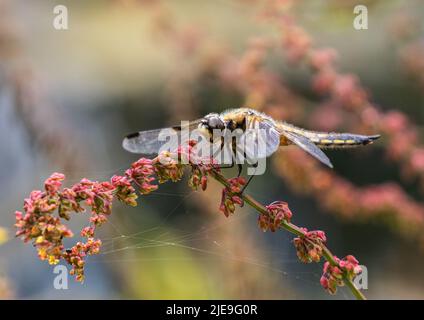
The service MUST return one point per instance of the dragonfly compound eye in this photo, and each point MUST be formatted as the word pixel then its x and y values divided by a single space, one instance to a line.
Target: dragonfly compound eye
pixel 215 122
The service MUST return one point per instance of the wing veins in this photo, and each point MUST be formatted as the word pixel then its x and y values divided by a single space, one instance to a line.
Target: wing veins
pixel 308 146
pixel 147 142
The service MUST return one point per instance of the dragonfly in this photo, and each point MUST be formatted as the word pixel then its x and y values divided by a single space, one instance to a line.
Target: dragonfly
pixel 278 134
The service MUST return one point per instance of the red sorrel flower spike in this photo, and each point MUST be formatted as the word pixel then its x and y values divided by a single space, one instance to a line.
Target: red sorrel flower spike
pixel 332 276
pixel 198 178
pixel 278 211
pixel 141 173
pixel 124 191
pixel 53 184
pixel 69 203
pixel 168 168
pixel 230 196
pixel 309 246
pixel 39 225
pixel 88 232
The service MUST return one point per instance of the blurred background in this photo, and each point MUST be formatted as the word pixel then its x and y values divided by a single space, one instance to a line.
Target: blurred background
pixel 67 97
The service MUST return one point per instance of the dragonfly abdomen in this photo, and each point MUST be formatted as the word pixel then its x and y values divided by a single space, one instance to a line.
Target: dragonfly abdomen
pixel 326 140
pixel 340 140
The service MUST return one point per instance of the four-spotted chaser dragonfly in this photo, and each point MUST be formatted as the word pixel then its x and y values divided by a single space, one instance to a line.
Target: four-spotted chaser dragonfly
pixel 278 133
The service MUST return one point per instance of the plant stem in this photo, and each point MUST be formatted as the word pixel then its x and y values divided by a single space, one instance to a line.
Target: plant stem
pixel 292 228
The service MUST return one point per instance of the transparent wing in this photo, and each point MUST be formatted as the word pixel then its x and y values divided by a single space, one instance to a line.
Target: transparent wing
pixel 308 146
pixel 145 142
pixel 151 142
pixel 261 139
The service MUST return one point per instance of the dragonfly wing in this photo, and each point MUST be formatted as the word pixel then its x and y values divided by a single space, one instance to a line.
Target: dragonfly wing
pixel 147 142
pixel 308 146
pixel 152 142
pixel 260 143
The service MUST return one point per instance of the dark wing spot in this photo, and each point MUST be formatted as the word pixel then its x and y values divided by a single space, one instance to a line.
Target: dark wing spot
pixel 133 135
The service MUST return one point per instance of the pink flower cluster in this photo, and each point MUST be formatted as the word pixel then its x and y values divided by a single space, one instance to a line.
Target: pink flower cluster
pixel 344 89
pixel 200 167
pixel 402 144
pixel 124 191
pixel 96 195
pixel 278 211
pixel 411 57
pixel 332 276
pixel 309 246
pixel 38 224
pixel 47 232
pixel 199 177
pixel 75 256
pixel 142 173
pixel 167 167
pixel 231 196
pixel 297 42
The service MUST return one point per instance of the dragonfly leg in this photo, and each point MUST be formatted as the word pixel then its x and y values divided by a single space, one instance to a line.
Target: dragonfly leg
pixel 222 166
pixel 250 179
pixel 240 169
pixel 247 183
pixel 227 166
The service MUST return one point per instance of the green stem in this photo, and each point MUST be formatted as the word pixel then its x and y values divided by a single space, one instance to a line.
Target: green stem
pixel 292 228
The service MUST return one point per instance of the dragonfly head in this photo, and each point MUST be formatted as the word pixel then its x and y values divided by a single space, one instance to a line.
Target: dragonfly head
pixel 213 121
